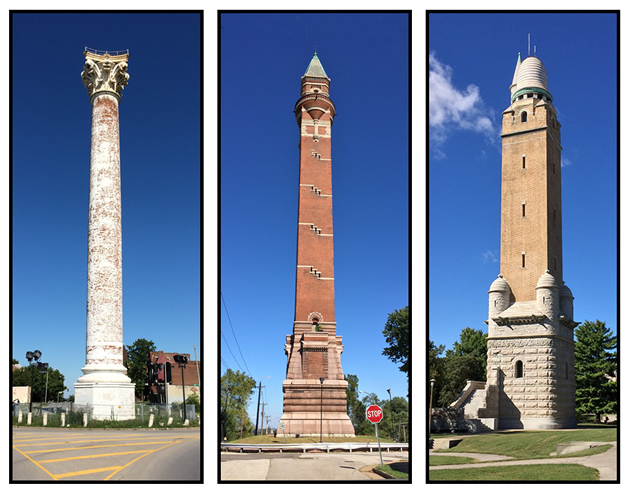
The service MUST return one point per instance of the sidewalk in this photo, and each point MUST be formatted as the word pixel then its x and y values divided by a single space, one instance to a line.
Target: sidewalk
pixel 605 463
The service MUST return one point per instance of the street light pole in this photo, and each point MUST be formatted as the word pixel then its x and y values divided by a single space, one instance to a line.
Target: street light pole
pixel 431 404
pixel 30 356
pixel 182 360
pixel 321 408
pixel 391 414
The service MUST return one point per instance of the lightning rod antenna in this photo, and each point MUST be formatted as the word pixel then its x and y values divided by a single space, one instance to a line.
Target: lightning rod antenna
pixel 528 44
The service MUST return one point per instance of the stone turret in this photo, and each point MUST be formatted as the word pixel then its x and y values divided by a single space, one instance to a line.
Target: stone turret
pixel 566 302
pixel 548 296
pixel 499 296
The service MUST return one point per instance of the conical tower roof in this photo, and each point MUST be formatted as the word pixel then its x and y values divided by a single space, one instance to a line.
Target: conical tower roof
pixel 315 68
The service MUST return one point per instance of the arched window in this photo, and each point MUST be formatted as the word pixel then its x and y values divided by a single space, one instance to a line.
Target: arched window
pixel 518 369
pixel 524 117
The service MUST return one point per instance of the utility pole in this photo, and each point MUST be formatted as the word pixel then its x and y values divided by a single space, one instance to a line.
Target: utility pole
pixel 263 415
pixel 258 408
pixel 197 362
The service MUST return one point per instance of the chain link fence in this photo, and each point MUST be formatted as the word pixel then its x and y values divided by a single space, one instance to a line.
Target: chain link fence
pixel 75 414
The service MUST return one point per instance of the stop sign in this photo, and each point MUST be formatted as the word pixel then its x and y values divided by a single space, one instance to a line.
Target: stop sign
pixel 374 414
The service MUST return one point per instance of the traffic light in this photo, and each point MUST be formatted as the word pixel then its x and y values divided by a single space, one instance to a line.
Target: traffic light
pixel 182 360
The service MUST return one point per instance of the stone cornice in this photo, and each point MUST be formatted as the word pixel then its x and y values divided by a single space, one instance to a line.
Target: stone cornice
pixel 529 336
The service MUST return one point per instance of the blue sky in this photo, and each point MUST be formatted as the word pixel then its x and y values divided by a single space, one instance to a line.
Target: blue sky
pixel 579 52
pixel 263 57
pixel 160 115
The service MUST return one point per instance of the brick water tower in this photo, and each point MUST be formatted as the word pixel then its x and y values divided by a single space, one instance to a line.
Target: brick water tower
pixel 104 388
pixel 315 389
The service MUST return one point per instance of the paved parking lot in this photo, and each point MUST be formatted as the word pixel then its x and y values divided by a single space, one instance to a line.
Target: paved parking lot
pixel 93 455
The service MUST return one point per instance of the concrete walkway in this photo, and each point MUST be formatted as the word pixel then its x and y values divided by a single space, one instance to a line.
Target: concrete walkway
pixel 304 467
pixel 605 463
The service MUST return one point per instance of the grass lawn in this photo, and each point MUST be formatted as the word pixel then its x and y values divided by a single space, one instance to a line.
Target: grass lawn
pixel 447 460
pixel 396 469
pixel 535 444
pixel 269 439
pixel 541 472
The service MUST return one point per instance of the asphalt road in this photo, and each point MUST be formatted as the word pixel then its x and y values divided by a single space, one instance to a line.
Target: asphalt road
pixel 302 467
pixel 41 454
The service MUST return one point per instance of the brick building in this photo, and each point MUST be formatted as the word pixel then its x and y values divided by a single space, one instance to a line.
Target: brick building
pixel 166 380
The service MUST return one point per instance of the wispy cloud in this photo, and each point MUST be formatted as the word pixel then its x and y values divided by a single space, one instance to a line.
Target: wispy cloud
pixel 490 256
pixel 564 162
pixel 452 109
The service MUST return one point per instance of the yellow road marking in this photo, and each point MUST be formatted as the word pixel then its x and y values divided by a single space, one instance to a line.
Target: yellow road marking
pixel 116 469
pixel 94 456
pixel 37 464
pixel 137 458
pixel 78 441
pixel 86 471
pixel 95 446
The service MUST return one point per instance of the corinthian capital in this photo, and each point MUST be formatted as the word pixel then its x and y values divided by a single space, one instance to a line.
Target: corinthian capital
pixel 105 72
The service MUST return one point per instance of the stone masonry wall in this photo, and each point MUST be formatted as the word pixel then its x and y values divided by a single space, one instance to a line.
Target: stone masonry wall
pixel 546 388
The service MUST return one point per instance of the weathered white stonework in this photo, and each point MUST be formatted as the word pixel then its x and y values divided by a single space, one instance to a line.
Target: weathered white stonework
pixel 105 387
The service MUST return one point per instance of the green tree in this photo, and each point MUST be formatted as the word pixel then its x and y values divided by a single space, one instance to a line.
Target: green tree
pixel 595 366
pixel 466 361
pixel 194 399
pixel 436 371
pixel 56 382
pixel 137 370
pixel 236 391
pixel 356 408
pixel 395 416
pixel 396 334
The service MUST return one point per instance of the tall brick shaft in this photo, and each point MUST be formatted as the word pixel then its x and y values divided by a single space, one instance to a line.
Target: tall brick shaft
pixel 531 365
pixel 105 387
pixel 314 349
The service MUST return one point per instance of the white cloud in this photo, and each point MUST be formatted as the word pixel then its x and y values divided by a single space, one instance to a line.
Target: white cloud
pixel 564 162
pixel 453 109
pixel 490 256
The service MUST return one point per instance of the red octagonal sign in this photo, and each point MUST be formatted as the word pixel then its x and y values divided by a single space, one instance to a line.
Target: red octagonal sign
pixel 374 414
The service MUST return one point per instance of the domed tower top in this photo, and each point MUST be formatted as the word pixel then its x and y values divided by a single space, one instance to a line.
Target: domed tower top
pixel 530 77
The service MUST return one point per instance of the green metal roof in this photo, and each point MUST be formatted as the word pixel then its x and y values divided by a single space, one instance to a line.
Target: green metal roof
pixel 315 68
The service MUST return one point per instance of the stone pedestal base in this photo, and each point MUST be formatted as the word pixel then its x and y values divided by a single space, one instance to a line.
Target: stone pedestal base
pixel 311 408
pixel 308 424
pixel 113 400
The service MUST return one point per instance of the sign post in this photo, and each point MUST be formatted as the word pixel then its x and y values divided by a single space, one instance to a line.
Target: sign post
pixel 375 414
pixel 282 428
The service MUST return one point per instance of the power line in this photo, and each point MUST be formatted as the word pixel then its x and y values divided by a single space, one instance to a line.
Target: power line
pixel 237 344
pixel 231 351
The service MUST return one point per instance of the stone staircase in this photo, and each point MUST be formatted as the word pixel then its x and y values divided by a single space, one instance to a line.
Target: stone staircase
pixel 472 401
